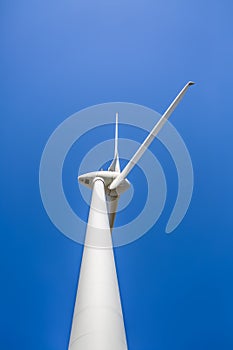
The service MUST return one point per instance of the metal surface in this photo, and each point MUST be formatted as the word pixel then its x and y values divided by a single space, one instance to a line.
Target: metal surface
pixel 98 321
pixel 108 176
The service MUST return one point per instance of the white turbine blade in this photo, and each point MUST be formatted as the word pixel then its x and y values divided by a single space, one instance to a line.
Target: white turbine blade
pixel 115 165
pixel 116 136
pixel 149 138
pixel 112 203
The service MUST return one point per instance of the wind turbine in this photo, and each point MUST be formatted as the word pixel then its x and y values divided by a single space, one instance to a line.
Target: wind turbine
pixel 98 320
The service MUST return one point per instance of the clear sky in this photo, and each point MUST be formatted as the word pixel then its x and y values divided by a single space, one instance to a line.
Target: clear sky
pixel 58 57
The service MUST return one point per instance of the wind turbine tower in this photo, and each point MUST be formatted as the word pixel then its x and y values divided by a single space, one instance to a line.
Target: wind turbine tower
pixel 98 322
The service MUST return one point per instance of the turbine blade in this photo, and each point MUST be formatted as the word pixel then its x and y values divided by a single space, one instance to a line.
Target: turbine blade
pixel 115 165
pixel 149 138
pixel 112 203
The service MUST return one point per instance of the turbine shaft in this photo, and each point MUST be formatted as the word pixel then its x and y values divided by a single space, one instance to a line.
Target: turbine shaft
pixel 98 320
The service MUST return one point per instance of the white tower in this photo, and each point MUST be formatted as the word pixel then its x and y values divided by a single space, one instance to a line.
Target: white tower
pixel 98 320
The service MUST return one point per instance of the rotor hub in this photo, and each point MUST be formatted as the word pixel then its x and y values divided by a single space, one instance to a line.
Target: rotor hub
pixel 108 177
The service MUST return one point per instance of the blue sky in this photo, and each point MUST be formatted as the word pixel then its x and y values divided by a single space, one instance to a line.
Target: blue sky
pixel 58 57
